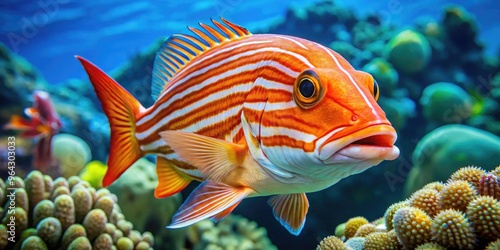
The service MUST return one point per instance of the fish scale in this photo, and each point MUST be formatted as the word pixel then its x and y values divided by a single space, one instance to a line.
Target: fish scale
pixel 246 115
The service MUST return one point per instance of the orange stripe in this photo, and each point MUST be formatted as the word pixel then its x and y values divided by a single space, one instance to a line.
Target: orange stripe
pixel 282 140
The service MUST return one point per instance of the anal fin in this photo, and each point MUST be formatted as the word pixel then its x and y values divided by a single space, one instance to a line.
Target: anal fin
pixel 224 213
pixel 170 181
pixel 209 199
pixel 290 210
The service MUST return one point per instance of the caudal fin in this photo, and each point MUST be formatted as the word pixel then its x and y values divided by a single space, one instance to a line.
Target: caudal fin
pixel 122 109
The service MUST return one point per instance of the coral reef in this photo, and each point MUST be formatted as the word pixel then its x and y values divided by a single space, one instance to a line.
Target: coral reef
pixel 135 192
pixel 71 152
pixel 94 173
pixel 452 229
pixel 233 232
pixel 453 216
pixel 446 103
pixel 331 243
pixel 47 218
pixel 439 153
pixel 409 51
pixel 412 226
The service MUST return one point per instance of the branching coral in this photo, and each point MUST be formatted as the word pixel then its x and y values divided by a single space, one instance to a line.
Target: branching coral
pixel 64 214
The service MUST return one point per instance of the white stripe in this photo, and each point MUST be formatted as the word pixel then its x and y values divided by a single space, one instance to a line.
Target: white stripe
pixel 293 133
pixel 294 41
pixel 236 57
pixel 231 135
pixel 267 84
pixel 257 106
pixel 153 146
pixel 214 96
pixel 213 119
pixel 353 82
pixel 247 67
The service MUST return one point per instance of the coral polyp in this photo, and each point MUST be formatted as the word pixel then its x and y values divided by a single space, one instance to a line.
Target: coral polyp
pixel 456 195
pixel 412 226
pixel 484 214
pixel 427 200
pixel 452 229
pixel 471 174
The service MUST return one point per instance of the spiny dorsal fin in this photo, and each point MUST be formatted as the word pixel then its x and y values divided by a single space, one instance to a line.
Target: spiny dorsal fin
pixel 179 49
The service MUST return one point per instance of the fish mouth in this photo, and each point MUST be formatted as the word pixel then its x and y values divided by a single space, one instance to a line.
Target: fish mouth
pixel 374 142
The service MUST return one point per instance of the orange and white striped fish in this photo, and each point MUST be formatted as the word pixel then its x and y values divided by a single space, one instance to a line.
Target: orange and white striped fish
pixel 247 115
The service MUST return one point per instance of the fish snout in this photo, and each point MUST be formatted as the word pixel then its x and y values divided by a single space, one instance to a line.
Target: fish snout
pixel 375 141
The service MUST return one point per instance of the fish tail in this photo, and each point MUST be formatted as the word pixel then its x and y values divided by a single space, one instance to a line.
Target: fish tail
pixel 122 110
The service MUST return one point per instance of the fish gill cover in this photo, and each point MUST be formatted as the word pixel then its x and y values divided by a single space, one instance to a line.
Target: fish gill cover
pixel 436 66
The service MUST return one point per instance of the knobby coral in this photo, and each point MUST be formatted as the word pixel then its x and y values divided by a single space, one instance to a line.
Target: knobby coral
pixel 63 214
pixel 464 213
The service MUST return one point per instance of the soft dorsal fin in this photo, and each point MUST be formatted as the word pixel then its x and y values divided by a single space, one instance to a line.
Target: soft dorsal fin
pixel 179 49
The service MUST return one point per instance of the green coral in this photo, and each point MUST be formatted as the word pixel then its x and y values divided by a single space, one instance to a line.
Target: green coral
pixel 94 173
pixel 447 148
pixel 446 103
pixel 409 51
pixel 49 222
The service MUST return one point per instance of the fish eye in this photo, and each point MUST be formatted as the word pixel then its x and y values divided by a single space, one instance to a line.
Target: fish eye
pixel 308 90
pixel 376 91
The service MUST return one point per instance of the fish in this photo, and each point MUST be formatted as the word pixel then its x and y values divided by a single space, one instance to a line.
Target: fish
pixel 247 115
pixel 42 125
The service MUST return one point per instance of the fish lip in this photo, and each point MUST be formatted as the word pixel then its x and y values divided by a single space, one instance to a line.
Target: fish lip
pixel 345 149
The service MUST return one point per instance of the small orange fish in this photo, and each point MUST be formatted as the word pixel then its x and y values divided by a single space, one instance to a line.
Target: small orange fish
pixel 247 115
pixel 43 124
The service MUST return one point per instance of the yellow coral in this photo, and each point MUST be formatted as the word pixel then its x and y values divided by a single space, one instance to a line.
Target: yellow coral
pixel 331 243
pixel 382 240
pixel 427 200
pixel 471 174
pixel 352 225
pixel 94 172
pixel 437 185
pixel 430 246
pixel 496 171
pixel 495 245
pixel 457 195
pixel 412 226
pixel 452 229
pixel 365 230
pixel 484 214
pixel 389 213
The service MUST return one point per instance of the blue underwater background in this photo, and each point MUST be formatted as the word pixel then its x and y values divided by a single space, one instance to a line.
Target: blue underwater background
pixel 437 63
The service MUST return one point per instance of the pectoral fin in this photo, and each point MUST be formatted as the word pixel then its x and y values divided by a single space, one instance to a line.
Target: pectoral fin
pixel 214 157
pixel 208 200
pixel 290 210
